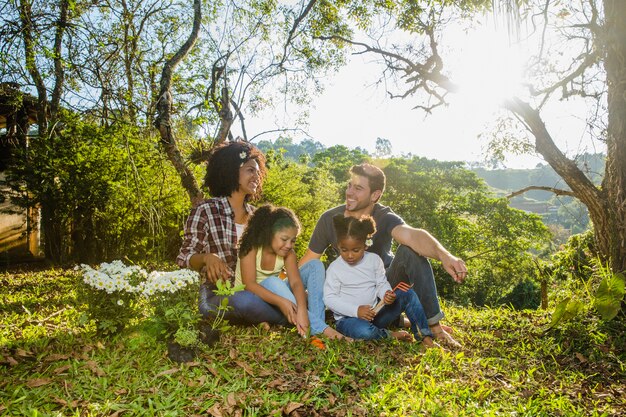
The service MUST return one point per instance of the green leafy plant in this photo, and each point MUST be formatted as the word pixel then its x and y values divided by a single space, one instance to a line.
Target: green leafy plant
pixel 173 296
pixel 610 293
pixel 224 289
pixel 111 294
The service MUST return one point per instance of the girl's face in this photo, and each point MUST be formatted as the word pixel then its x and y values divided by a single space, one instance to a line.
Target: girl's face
pixel 249 177
pixel 284 241
pixel 351 250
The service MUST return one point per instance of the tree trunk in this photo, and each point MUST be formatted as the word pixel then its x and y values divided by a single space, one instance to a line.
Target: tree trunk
pixel 163 120
pixel 615 174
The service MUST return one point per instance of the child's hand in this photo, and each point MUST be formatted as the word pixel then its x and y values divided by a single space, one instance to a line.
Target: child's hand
pixel 302 322
pixel 289 310
pixel 366 312
pixel 390 297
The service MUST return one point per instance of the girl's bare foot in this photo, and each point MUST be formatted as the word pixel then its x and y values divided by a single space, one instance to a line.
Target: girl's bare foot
pixel 331 333
pixel 402 336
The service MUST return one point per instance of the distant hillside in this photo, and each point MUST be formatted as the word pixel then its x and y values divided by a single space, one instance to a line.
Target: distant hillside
pixel 509 180
pixel 564 212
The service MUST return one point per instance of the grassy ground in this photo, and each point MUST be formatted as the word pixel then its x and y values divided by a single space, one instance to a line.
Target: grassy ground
pixel 50 365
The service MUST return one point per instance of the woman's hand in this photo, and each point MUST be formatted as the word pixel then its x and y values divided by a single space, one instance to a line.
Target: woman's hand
pixel 302 322
pixel 366 312
pixel 389 297
pixel 216 268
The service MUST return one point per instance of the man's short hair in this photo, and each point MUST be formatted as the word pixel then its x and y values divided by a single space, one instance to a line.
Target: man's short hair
pixel 375 176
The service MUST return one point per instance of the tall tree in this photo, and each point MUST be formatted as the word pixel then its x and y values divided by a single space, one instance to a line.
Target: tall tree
pixel 580 53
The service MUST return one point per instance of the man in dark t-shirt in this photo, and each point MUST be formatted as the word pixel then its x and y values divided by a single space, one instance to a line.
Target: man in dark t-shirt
pixel 410 263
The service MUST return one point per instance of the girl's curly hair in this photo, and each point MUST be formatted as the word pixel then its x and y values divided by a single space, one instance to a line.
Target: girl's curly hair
pixel 351 227
pixel 263 224
pixel 223 163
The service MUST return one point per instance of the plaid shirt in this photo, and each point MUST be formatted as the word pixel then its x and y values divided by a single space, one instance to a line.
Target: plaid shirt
pixel 210 228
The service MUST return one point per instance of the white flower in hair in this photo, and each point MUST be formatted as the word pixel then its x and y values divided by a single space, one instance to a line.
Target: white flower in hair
pixel 243 155
pixel 369 242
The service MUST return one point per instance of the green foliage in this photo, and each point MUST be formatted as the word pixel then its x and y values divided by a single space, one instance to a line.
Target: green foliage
pixel 525 295
pixel 338 159
pixel 224 289
pixel 454 205
pixel 509 367
pixel 105 192
pixel 566 310
pixel 110 297
pixel 610 294
pixel 308 191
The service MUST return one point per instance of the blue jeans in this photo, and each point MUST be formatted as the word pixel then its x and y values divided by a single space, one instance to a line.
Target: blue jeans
pixel 410 267
pixel 249 308
pixel 377 329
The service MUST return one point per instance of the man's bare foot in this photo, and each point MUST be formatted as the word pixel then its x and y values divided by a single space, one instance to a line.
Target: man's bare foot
pixel 436 327
pixel 402 336
pixel 331 333
pixel 445 339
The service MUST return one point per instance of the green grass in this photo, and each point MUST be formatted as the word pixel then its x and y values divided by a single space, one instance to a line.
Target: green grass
pixel 51 365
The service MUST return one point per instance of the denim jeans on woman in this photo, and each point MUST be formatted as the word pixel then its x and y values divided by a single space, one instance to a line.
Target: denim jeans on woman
pixel 249 308
pixel 406 301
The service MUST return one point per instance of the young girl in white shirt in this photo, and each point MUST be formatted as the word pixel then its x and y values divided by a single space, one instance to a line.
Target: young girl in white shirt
pixel 356 281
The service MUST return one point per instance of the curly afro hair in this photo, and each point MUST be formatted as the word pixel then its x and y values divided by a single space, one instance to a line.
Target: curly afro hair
pixel 263 224
pixel 351 227
pixel 223 163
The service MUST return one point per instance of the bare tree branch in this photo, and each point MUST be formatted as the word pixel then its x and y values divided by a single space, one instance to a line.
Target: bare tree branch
pixel 556 191
pixel 292 32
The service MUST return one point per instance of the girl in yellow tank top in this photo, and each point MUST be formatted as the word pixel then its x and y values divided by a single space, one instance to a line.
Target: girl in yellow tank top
pixel 267 249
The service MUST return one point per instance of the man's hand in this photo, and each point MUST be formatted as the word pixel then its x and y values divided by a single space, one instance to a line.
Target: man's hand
pixel 366 312
pixel 216 268
pixel 455 267
pixel 389 297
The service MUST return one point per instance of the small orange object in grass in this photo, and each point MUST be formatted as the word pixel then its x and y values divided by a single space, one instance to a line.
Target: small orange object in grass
pixel 318 343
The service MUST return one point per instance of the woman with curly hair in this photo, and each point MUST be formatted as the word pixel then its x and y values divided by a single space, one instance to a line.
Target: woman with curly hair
pixel 234 177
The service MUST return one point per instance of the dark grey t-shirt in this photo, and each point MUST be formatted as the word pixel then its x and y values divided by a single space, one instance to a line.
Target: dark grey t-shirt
pixel 324 233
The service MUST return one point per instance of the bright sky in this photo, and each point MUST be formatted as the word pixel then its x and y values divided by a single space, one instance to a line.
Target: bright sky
pixel 354 112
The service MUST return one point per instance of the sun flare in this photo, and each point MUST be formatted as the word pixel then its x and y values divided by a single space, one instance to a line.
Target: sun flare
pixel 489 68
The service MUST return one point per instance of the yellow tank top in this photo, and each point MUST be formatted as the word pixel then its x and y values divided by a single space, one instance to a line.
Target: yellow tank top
pixel 261 273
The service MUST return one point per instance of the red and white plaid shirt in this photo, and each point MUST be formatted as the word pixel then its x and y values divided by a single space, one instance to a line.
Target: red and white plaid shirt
pixel 210 228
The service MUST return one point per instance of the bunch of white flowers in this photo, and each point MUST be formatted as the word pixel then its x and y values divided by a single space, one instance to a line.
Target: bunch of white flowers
pixel 114 276
pixel 172 281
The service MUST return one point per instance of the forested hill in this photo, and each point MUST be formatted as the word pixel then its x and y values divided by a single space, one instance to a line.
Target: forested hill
pixel 503 181
pixel 510 180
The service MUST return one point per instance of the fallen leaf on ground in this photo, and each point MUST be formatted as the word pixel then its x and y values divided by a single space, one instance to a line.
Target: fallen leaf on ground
pixel 230 399
pixel 33 383
pixel 23 353
pixel 56 357
pixel 580 357
pixel 245 367
pixel 215 411
pixel 93 367
pixel 167 372
pixel 61 369
pixel 291 407
pixel 73 403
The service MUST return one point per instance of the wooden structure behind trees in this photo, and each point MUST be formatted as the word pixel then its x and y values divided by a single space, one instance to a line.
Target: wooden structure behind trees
pixel 19 227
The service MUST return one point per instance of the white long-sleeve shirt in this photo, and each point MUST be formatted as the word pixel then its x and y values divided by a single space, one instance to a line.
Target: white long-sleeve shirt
pixel 349 286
